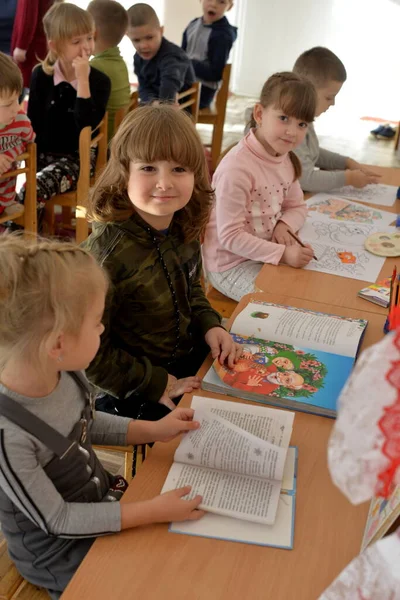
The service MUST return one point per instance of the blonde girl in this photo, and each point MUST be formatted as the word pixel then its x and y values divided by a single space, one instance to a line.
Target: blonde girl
pixel 258 195
pixel 150 207
pixel 66 95
pixel 55 496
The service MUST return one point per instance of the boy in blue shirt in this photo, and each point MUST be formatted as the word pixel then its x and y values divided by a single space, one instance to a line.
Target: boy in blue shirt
pixel 208 41
pixel 163 69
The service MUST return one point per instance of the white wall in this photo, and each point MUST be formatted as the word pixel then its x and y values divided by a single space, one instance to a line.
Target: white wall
pixel 364 34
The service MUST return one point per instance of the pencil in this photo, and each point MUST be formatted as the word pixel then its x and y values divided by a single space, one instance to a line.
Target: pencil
pixel 392 282
pixel 396 299
pixel 298 240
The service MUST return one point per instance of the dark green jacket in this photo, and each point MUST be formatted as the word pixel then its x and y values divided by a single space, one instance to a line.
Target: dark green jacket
pixel 156 309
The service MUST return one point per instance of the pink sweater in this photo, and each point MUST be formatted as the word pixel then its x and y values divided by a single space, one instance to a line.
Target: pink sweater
pixel 253 191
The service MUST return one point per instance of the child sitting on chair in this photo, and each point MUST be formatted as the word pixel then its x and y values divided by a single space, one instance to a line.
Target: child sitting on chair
pixel 15 130
pixel 258 195
pixel 66 95
pixel 326 71
pixel 208 41
pixel 111 22
pixel 162 68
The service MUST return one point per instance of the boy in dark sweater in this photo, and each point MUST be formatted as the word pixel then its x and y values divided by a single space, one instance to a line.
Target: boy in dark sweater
pixel 208 41
pixel 162 68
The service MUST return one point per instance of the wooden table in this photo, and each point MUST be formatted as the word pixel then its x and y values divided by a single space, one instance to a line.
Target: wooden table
pixel 330 289
pixel 152 564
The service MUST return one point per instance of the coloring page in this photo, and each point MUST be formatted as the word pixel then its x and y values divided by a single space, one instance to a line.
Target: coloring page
pixel 332 208
pixel 346 261
pixel 336 232
pixel 381 194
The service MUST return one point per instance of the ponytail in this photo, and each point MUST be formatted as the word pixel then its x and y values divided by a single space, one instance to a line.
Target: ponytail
pixel 296 165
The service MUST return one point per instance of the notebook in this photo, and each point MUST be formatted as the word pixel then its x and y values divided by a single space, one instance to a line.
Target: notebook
pixel 292 357
pixel 378 293
pixel 241 463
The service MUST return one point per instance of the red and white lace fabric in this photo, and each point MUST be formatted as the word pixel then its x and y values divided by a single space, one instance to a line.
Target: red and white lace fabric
pixel 364 460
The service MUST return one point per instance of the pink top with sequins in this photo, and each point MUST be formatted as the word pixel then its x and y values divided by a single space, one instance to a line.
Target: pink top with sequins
pixel 254 191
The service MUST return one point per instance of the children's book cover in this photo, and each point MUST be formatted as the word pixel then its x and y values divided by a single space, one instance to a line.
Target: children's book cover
pixel 285 371
pixel 383 512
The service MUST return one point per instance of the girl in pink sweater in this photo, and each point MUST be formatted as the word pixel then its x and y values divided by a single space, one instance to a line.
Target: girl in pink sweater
pixel 258 195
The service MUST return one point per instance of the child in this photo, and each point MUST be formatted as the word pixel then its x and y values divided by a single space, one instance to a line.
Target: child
pixel 258 195
pixel 28 44
pixel 55 496
pixel 326 71
pixel 15 130
pixel 66 95
pixel 208 41
pixel 150 206
pixel 162 68
pixel 111 22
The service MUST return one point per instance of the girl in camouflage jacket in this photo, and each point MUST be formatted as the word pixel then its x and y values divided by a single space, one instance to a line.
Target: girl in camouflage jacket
pixel 150 207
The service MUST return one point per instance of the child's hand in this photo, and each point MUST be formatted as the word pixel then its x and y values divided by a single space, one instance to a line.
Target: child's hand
pixel 178 421
pixel 297 256
pixel 222 346
pixel 171 506
pixel 5 163
pixel 360 179
pixel 177 387
pixel 280 234
pixel 19 55
pixel 82 67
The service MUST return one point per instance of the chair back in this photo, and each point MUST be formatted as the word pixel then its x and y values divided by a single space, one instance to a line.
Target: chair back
pixel 191 100
pixel 134 102
pixel 100 140
pixel 28 215
pixel 119 116
pixel 222 95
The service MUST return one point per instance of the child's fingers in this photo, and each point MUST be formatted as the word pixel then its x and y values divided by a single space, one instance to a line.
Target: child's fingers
pixel 189 425
pixel 195 502
pixel 183 491
pixel 186 414
pixel 232 357
pixel 196 515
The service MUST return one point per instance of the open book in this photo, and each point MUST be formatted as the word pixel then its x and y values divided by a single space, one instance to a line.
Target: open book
pixel 292 357
pixel 240 463
pixel 383 512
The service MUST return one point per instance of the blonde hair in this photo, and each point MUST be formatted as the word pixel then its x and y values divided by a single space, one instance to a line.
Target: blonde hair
pixel 295 96
pixel 45 287
pixel 61 23
pixel 149 134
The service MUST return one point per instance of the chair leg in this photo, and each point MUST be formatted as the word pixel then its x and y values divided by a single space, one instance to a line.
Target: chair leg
pixel 82 227
pixel 128 466
pixel 49 218
pixel 216 143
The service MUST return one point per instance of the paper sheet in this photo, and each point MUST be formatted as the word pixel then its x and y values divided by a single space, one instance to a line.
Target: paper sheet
pixel 379 194
pixel 329 207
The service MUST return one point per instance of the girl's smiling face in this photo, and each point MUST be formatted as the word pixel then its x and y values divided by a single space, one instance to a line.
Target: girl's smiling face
pixel 276 131
pixel 157 190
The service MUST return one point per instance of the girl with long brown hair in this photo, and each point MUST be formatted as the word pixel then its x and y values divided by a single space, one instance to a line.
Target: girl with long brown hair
pixel 259 201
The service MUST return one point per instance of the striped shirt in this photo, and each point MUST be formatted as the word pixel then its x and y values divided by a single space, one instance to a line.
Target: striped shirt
pixel 13 140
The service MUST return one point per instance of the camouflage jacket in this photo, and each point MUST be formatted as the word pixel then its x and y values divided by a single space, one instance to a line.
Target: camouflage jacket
pixel 155 310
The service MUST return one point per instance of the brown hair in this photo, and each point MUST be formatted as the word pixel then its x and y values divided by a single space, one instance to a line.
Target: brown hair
pixel 295 96
pixel 149 134
pixel 45 287
pixel 111 20
pixel 61 23
pixel 10 76
pixel 321 66
pixel 142 14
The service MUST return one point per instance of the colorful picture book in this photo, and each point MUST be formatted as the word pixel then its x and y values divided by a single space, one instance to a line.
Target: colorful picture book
pixel 383 512
pixel 378 293
pixel 241 463
pixel 292 357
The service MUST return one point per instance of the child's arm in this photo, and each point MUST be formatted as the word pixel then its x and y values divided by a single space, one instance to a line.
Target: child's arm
pixel 313 180
pixel 25 25
pixel 92 94
pixel 172 76
pixel 118 372
pixel 294 209
pixel 212 68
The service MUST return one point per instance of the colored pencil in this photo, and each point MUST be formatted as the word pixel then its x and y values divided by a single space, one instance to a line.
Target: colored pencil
pixel 298 240
pixel 392 282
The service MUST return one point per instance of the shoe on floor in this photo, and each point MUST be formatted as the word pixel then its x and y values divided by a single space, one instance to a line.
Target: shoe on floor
pixel 387 132
pixel 378 129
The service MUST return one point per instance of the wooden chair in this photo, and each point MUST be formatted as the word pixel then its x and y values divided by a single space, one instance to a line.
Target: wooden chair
pixel 215 116
pixel 119 116
pixel 27 216
pixel 77 199
pixel 193 100
pixel 134 103
pixel 397 138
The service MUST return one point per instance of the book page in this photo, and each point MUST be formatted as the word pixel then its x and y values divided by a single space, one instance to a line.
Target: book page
pixel 230 494
pixel 374 193
pixel 269 424
pixel 218 444
pixel 316 331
